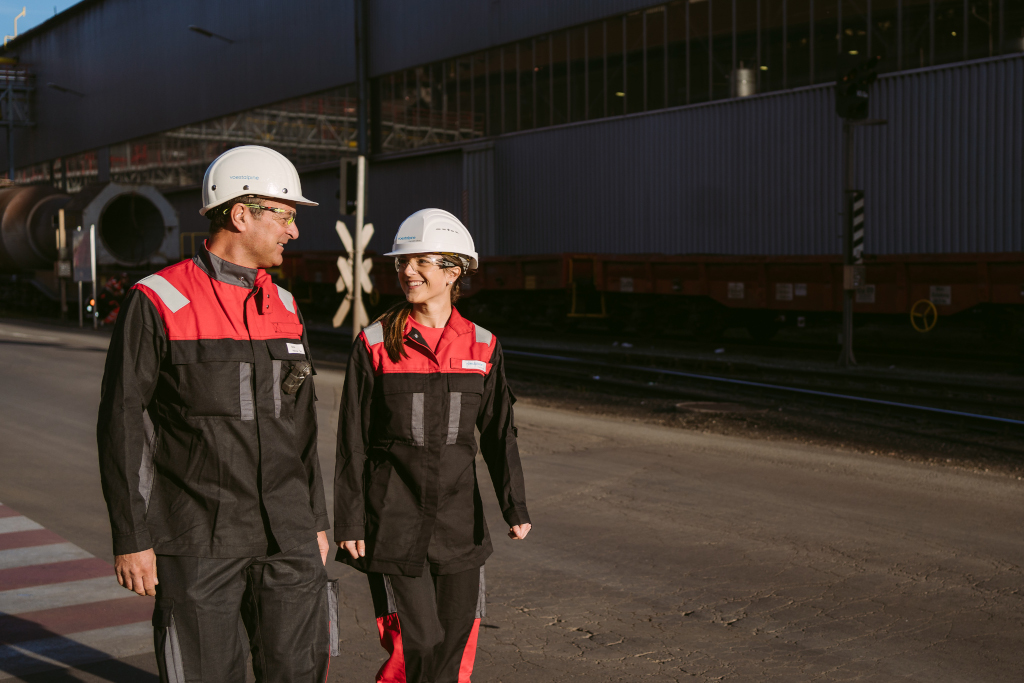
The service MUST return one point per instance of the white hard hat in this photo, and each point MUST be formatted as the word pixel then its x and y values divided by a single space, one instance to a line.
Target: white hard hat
pixel 251 169
pixel 434 231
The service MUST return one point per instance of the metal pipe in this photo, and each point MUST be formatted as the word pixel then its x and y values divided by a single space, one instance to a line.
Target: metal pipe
pixel 359 319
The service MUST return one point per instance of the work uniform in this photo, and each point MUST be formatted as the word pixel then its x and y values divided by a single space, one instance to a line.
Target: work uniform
pixel 405 482
pixel 206 458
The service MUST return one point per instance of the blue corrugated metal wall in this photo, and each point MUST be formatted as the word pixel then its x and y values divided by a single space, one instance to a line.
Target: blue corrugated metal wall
pixel 761 175
pixel 949 175
pixel 754 176
pixel 401 187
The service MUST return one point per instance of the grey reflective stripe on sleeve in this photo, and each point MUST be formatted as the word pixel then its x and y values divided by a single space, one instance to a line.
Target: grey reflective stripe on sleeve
pixel 390 592
pixel 481 596
pixel 146 467
pixel 286 298
pixel 172 655
pixel 172 298
pixel 245 390
pixel 454 416
pixel 277 387
pixel 417 419
pixel 482 335
pixel 374 334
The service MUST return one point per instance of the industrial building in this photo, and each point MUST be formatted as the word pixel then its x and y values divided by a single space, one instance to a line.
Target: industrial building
pixel 615 127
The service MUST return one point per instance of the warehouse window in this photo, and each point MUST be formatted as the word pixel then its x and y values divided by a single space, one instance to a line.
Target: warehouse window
pixel 683 52
pixel 668 55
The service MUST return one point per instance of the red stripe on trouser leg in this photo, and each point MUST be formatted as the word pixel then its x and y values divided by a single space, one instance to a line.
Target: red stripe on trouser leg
pixel 393 670
pixel 469 654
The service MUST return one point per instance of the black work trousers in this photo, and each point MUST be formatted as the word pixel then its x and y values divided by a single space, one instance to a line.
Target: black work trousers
pixel 207 610
pixel 428 624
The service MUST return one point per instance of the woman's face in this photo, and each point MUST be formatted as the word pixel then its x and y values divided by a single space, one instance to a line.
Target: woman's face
pixel 423 280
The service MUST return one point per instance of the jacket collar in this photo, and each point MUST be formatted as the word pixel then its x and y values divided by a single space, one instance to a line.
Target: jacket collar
pixel 225 271
pixel 455 327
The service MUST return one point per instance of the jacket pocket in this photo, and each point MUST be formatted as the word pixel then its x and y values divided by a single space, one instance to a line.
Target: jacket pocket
pixel 402 410
pixel 464 396
pixel 284 356
pixel 214 377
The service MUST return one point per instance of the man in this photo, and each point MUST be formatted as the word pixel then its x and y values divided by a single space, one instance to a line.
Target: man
pixel 207 442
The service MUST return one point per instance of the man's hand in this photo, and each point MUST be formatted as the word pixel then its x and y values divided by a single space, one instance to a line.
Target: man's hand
pixel 137 571
pixel 356 549
pixel 519 531
pixel 325 545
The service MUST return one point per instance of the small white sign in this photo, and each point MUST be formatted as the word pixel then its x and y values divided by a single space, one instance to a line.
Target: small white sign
pixel 296 348
pixel 625 284
pixel 865 295
pixel 941 295
pixel 736 290
pixel 474 365
pixel 784 291
pixel 800 289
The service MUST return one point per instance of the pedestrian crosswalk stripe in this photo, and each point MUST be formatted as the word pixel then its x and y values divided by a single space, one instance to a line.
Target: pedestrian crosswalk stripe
pixel 42 554
pixel 24 539
pixel 60 606
pixel 59 652
pixel 63 594
pixel 18 523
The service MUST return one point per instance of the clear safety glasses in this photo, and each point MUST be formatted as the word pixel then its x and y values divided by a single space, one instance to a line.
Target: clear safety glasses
pixel 421 263
pixel 286 214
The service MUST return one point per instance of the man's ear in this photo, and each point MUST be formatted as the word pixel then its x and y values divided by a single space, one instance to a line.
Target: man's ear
pixel 239 220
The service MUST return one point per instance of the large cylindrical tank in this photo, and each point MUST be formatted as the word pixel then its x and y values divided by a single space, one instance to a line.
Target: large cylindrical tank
pixel 135 224
pixel 28 218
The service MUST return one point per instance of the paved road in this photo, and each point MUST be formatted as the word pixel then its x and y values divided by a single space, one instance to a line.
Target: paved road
pixel 657 554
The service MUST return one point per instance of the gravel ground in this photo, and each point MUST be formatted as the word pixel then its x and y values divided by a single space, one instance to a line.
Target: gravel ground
pixel 925 440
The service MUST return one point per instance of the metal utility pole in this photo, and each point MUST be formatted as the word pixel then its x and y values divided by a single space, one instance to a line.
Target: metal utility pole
pixel 850 281
pixel 853 83
pixel 359 317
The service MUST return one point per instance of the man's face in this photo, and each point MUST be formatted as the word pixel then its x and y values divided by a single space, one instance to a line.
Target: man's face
pixel 266 236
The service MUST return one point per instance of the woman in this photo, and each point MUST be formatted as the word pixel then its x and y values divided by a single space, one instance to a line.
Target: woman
pixel 407 506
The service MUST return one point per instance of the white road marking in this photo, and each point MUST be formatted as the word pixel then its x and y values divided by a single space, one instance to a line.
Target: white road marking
pixel 10 524
pixel 32 337
pixel 61 652
pixel 20 600
pixel 41 554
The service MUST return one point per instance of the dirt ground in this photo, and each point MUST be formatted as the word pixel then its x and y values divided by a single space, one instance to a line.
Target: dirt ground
pixel 925 440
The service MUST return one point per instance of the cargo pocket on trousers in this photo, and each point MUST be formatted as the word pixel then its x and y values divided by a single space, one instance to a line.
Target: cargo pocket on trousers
pixel 168 648
pixel 332 618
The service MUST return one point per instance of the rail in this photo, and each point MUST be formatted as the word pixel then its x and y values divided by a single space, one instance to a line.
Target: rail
pixel 762 385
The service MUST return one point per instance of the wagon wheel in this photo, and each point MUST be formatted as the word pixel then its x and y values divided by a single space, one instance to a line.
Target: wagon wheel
pixel 924 315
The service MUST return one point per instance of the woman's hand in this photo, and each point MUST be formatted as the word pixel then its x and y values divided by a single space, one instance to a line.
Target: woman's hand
pixel 519 531
pixel 356 549
pixel 325 545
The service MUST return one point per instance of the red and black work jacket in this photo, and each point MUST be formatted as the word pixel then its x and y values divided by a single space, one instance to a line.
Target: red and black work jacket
pixel 202 452
pixel 405 479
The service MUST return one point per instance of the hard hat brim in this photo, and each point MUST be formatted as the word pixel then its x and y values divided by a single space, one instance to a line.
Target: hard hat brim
pixel 300 201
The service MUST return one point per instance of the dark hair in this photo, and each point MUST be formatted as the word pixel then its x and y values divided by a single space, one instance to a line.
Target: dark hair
pixel 393 320
pixel 220 215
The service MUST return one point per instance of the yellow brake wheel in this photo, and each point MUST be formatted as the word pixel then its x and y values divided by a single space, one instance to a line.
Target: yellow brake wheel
pixel 924 315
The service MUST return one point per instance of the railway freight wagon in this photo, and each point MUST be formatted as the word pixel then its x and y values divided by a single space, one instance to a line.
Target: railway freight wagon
pixel 730 212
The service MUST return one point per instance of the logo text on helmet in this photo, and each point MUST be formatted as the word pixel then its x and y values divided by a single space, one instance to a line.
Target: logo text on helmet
pixel 245 177
pixel 406 239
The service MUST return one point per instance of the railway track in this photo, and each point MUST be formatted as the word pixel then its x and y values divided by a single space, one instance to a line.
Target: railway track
pixel 976 407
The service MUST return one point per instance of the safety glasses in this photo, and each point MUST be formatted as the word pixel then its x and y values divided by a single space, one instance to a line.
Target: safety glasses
pixel 288 214
pixel 422 263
